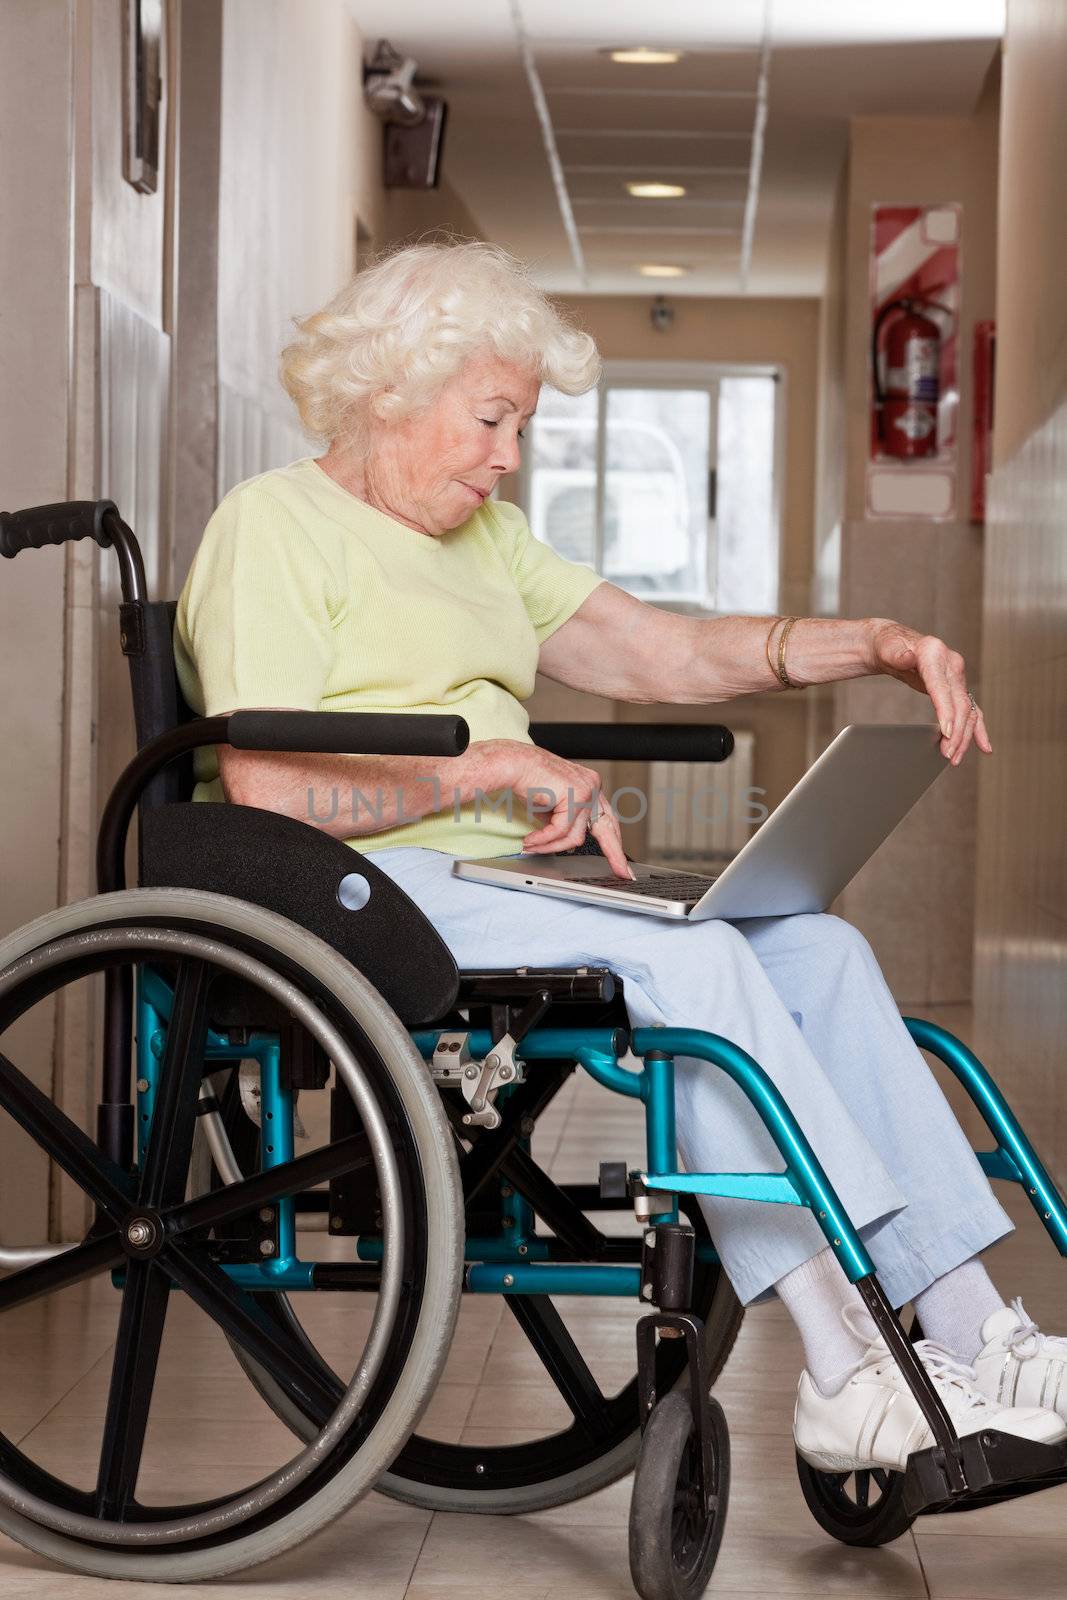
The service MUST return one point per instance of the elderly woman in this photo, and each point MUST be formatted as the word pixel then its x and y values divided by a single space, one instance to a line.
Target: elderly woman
pixel 382 576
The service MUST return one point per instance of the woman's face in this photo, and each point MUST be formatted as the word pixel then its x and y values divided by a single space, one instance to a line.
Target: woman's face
pixel 433 469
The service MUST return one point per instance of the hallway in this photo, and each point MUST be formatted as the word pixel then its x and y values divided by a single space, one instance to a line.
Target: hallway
pixel 818 246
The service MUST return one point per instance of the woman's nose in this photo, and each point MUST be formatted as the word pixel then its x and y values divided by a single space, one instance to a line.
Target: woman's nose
pixel 506 453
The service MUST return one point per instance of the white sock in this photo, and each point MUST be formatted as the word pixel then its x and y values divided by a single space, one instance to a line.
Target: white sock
pixel 953 1309
pixel 816 1296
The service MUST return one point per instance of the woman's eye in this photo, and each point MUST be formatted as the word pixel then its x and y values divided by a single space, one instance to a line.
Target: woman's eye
pixel 490 422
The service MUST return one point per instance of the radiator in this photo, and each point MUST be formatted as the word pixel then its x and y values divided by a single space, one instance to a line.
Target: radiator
pixel 700 811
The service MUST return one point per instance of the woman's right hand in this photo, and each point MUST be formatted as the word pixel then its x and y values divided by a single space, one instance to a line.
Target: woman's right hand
pixel 570 795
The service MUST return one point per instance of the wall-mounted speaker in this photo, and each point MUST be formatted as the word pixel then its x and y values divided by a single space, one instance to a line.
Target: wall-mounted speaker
pixel 412 156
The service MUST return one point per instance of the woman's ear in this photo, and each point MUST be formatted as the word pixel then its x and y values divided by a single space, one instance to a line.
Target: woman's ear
pixel 384 405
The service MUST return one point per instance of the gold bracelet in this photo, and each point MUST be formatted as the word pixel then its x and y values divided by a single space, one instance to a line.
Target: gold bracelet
pixel 767 644
pixel 783 676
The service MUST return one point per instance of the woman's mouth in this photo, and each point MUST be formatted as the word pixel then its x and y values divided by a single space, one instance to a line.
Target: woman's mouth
pixel 478 494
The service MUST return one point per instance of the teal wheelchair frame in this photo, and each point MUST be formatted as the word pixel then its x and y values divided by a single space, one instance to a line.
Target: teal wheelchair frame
pixel 510 1262
pixel 952 1475
pixel 227 1231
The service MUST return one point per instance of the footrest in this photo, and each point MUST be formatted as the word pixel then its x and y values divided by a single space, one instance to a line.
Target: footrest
pixel 997 1466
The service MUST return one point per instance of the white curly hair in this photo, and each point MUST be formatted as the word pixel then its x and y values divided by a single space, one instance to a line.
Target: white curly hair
pixel 386 344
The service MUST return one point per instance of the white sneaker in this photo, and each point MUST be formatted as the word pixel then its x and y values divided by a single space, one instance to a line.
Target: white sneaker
pixel 875 1421
pixel 1020 1365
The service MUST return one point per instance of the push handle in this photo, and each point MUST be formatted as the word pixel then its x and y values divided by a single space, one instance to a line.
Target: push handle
pixel 348 733
pixel 37 526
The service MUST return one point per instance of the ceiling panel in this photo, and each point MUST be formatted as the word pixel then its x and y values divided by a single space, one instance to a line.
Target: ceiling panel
pixel 727 188
pixel 688 110
pixel 643 215
pixel 623 268
pixel 667 22
pixel 561 65
pixel 664 245
pixel 581 146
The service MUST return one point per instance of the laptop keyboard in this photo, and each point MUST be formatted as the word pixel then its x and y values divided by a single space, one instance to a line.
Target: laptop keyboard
pixel 668 886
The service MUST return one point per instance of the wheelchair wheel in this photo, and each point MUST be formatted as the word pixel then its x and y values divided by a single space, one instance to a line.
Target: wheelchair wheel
pixel 675 1533
pixel 594 1448
pixel 864 1508
pixel 117 1512
pixel 600 1443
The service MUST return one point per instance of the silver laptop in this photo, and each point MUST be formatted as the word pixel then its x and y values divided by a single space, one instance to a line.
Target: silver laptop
pixel 800 859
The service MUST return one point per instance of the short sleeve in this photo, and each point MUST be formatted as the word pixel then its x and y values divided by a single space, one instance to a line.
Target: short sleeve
pixel 552 588
pixel 255 617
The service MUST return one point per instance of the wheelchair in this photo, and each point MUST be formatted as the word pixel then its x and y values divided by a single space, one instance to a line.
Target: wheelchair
pixel 261 966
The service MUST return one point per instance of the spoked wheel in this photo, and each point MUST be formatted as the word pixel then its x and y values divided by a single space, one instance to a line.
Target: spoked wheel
pixel 586 1365
pixel 676 1522
pixel 599 1442
pixel 117 1511
pixel 865 1507
pixel 856 1507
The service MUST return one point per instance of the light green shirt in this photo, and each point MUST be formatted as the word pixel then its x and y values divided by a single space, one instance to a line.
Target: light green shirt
pixel 303 597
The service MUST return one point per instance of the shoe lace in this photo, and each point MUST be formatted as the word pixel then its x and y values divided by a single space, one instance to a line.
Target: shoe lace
pixel 948 1370
pixel 945 1368
pixel 1027 1330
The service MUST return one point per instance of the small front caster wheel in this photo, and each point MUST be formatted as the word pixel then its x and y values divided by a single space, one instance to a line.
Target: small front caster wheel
pixel 676 1526
pixel 865 1507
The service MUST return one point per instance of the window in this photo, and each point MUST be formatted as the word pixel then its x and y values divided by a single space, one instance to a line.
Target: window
pixel 664 480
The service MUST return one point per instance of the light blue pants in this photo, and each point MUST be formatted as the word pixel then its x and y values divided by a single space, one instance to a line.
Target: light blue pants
pixel 805 996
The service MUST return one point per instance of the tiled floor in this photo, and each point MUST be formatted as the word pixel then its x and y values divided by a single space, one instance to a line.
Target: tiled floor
pixel 208 1425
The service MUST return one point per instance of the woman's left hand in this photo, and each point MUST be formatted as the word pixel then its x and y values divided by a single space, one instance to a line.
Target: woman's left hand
pixel 927 664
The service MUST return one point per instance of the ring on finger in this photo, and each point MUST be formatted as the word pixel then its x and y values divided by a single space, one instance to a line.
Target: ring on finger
pixel 974 705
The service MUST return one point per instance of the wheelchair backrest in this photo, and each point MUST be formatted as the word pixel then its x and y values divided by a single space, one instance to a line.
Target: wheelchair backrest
pixel 158 705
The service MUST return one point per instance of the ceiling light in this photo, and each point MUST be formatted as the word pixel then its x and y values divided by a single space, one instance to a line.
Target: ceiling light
pixel 656 269
pixel 642 56
pixel 656 191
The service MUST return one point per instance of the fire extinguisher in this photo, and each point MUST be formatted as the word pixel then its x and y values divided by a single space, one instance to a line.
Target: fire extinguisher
pixel 905 401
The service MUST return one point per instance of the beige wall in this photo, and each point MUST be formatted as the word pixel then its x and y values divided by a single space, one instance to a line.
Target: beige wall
pixel 91 274
pixel 409 215
pixel 35 242
pixel 1032 346
pixel 1021 931
pixel 915 899
pixel 300 197
pixel 300 171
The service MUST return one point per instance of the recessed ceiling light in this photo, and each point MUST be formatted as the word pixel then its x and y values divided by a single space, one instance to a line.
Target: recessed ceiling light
pixel 656 269
pixel 643 56
pixel 656 191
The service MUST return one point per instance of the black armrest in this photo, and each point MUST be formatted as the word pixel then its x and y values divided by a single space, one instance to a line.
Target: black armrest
pixel 309 732
pixel 634 741
pixel 353 733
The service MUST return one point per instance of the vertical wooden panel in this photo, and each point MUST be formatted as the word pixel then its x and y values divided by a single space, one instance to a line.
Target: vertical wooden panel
pixel 1021 942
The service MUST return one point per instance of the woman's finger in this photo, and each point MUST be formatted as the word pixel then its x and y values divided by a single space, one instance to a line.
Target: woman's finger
pixel 971 722
pixel 942 678
pixel 553 847
pixel 566 828
pixel 966 711
pixel 554 836
pixel 608 835
pixel 935 681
